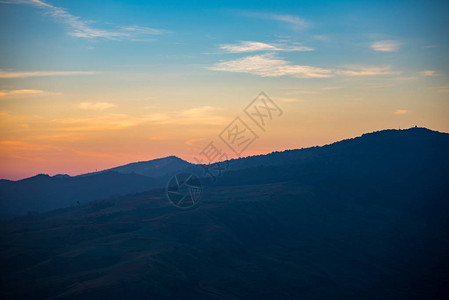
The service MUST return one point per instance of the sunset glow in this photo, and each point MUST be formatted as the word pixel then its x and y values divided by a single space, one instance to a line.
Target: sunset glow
pixel 81 92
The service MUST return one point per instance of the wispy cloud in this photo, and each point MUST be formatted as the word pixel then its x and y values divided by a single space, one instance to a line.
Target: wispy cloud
pixel 23 74
pixel 197 115
pixel 96 106
pixel 330 88
pixel 367 71
pixel 81 28
pixel 14 93
pixel 293 21
pixel 429 73
pixel 267 65
pixel 442 89
pixel 107 122
pixel 248 46
pixel 193 142
pixel 401 112
pixel 296 21
pixel 74 124
pixel 386 46
pixel 288 100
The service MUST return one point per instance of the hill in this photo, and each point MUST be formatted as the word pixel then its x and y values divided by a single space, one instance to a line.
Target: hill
pixel 42 193
pixel 152 168
pixel 365 218
pixel 396 147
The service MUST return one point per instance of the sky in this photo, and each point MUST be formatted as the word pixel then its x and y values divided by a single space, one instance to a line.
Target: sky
pixel 89 85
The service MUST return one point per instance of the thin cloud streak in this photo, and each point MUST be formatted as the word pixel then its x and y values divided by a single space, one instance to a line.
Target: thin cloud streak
pixel 267 65
pixel 24 74
pixel 14 93
pixel 197 115
pixel 81 29
pixel 248 46
pixel 367 71
pixel 429 73
pixel 294 21
pixel 386 46
pixel 401 112
pixel 96 106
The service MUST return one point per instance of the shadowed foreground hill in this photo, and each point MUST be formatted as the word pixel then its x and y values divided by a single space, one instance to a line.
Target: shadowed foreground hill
pixel 365 218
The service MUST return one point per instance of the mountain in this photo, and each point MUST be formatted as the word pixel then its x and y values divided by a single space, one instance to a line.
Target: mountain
pixel 364 218
pixel 43 193
pixel 153 168
pixel 377 145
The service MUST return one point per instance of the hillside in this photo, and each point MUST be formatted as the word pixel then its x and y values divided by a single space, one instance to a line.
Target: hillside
pixel 365 218
pixel 153 168
pixel 397 148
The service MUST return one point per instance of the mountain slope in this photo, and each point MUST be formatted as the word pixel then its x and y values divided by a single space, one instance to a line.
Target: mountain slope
pixel 409 142
pixel 42 192
pixel 365 218
pixel 406 152
pixel 152 168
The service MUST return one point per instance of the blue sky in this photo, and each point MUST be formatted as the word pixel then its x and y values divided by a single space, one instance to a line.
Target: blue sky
pixel 77 76
pixel 189 32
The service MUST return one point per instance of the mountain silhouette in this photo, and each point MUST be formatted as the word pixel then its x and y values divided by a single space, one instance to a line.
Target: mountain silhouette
pixel 403 152
pixel 364 218
pixel 151 168
pixel 43 192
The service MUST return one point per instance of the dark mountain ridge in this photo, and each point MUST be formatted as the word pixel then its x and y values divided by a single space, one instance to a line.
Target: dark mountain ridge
pixel 361 155
pixel 152 168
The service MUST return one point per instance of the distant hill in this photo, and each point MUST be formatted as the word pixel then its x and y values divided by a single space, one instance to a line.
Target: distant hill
pixel 377 144
pixel 152 168
pixel 42 192
pixel 406 151
pixel 364 218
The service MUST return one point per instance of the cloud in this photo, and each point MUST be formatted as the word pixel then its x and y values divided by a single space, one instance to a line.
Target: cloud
pixel 96 106
pixel 303 92
pixel 321 37
pixel 294 21
pixel 267 65
pixel 13 93
pixel 157 117
pixel 194 142
pixel 23 74
pixel 401 112
pixel 107 122
pixel 386 46
pixel 288 100
pixel 429 73
pixel 66 127
pixel 248 46
pixel 196 115
pixel 367 71
pixel 81 28
pixel 442 89
pixel 200 115
pixel 198 111
pixel 329 88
